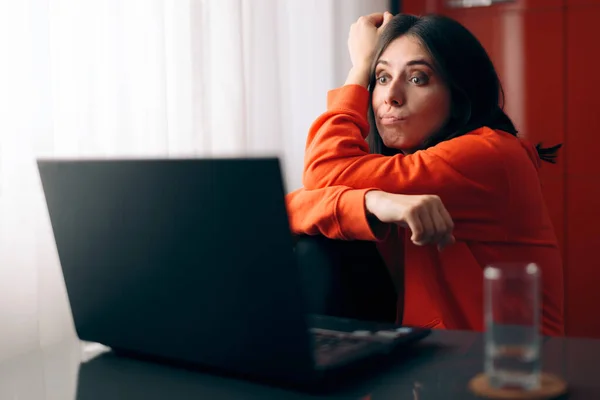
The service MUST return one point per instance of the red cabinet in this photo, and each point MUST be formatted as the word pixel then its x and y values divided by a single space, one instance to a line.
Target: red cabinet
pixel 583 172
pixel 582 3
pixel 544 51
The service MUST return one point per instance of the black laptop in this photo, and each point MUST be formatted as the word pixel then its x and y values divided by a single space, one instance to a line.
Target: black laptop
pixel 191 261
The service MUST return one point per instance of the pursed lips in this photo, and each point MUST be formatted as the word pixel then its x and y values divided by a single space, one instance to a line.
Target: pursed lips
pixel 392 119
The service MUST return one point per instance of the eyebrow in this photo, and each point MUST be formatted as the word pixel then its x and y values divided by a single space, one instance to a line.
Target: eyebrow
pixel 410 63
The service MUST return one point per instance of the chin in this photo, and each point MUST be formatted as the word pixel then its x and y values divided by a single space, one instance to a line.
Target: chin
pixel 399 144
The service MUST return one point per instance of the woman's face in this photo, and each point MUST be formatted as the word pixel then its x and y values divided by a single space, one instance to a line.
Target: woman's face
pixel 410 101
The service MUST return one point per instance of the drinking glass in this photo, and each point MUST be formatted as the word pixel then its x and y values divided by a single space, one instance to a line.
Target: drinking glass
pixel 512 320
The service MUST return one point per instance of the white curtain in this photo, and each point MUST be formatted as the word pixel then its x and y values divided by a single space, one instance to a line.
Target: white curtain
pixel 141 78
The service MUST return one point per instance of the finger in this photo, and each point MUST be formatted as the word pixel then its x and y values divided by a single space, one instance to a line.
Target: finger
pixel 440 224
pixel 387 16
pixel 416 227
pixel 428 231
pixel 428 218
pixel 447 218
pixel 448 240
pixel 375 18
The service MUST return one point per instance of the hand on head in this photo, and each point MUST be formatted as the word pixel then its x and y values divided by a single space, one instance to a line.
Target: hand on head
pixel 363 37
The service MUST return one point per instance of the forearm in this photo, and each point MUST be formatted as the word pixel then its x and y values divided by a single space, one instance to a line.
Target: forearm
pixel 358 76
pixel 371 203
pixel 337 136
pixel 335 212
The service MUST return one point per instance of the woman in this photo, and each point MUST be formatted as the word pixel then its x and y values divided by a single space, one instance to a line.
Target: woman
pixel 444 185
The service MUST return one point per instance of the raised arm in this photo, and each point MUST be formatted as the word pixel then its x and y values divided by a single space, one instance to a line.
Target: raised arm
pixel 467 172
pixel 337 153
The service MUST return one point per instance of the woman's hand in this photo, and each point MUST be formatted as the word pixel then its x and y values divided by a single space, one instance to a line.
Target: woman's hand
pixel 362 43
pixel 424 215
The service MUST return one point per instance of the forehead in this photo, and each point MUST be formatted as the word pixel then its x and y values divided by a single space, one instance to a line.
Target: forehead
pixel 403 50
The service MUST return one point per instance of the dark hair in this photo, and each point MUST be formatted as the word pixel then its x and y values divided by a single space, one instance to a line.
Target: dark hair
pixel 477 98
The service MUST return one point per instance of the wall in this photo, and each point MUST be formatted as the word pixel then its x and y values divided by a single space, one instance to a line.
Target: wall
pixel 541 49
pixel 150 78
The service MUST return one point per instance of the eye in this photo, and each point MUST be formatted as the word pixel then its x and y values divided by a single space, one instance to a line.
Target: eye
pixel 382 80
pixel 419 80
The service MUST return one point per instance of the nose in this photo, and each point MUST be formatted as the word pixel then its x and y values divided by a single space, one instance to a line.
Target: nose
pixel 395 95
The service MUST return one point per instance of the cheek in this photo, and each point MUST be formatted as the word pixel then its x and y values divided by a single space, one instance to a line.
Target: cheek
pixel 376 103
pixel 429 109
pixel 376 98
pixel 434 108
pixel 439 103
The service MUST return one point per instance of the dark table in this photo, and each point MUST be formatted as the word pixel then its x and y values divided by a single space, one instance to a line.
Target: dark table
pixel 437 368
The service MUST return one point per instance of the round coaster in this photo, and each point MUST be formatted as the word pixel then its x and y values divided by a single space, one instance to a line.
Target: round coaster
pixel 551 386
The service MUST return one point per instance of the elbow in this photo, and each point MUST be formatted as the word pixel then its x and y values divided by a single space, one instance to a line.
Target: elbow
pixel 317 177
pixel 313 181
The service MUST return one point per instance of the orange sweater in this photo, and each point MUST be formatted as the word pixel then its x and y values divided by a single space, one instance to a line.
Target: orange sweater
pixel 488 181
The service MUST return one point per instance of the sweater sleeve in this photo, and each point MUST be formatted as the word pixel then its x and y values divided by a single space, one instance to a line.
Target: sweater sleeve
pixel 335 212
pixel 338 154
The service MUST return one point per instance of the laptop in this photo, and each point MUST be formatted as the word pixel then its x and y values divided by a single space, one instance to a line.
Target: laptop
pixel 191 261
